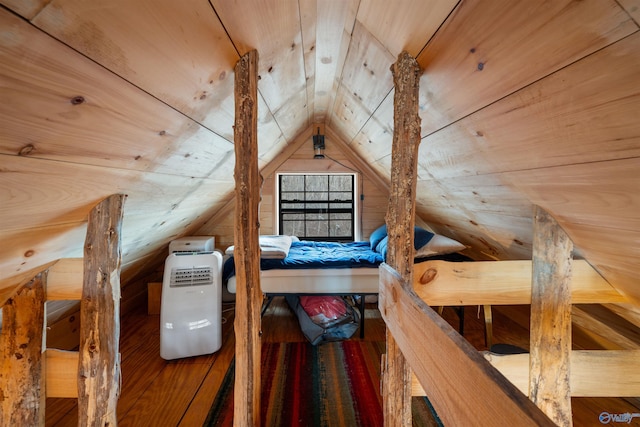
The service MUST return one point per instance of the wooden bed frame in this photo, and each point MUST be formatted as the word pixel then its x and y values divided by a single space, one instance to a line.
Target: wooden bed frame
pixel 318 281
pixel 360 282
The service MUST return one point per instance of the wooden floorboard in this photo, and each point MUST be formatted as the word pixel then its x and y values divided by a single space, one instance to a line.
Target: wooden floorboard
pixel 156 392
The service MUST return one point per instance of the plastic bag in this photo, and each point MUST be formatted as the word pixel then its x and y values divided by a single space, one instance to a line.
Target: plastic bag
pixel 337 329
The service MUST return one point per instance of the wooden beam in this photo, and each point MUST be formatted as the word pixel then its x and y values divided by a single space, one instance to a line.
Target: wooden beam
pixel 400 219
pixel 61 373
pixel 10 286
pixel 247 249
pixel 605 323
pixel 501 283
pixel 65 279
pixel 21 378
pixel 99 361
pixel 462 386
pixel 594 373
pixel 549 385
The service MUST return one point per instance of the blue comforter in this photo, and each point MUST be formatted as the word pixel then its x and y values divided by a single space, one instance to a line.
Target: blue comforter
pixel 308 254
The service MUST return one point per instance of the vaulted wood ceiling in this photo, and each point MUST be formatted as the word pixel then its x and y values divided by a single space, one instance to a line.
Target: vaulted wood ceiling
pixel 522 103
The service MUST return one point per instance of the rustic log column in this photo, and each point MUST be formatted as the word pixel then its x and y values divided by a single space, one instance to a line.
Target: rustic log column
pixel 99 358
pixel 549 386
pixel 400 219
pixel 22 393
pixel 247 249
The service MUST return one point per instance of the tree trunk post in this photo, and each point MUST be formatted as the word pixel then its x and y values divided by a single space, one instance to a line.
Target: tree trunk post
pixel 400 220
pixel 549 359
pixel 99 353
pixel 247 248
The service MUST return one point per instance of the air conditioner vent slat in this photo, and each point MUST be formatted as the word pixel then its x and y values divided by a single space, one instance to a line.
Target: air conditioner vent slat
pixel 193 276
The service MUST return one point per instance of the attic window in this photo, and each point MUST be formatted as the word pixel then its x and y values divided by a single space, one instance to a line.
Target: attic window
pixel 317 206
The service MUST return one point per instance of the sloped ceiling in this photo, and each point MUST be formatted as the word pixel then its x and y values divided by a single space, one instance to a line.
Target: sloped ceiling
pixel 522 103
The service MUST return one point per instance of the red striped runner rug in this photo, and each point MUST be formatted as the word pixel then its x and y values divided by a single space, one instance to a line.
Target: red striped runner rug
pixel 332 384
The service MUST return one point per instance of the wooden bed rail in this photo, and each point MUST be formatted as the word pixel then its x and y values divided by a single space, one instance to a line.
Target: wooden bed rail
pixel 442 283
pixel 27 373
pixel 462 386
pixel 501 283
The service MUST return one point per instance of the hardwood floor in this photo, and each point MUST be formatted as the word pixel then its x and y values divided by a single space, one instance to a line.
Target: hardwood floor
pixel 156 392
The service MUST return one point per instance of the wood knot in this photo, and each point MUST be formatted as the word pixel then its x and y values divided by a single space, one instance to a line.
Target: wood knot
pixel 26 150
pixel 428 276
pixel 77 100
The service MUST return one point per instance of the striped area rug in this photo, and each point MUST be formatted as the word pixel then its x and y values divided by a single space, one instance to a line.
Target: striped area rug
pixel 333 384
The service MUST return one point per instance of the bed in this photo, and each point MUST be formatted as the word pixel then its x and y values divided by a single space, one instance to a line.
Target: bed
pixel 332 268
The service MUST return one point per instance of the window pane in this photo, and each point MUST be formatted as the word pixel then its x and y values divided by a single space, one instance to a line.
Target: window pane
pixel 293 217
pixel 340 195
pixel 291 196
pixel 317 183
pixel 319 207
pixel 341 182
pixel 317 196
pixel 293 228
pixel 317 229
pixel 341 228
pixel 292 182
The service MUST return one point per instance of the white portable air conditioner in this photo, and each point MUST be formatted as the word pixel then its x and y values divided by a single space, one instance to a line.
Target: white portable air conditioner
pixel 192 244
pixel 191 306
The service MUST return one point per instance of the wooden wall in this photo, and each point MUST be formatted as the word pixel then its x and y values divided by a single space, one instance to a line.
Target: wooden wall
pixel 372 208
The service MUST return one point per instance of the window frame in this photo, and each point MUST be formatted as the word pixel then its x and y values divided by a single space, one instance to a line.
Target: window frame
pixel 355 209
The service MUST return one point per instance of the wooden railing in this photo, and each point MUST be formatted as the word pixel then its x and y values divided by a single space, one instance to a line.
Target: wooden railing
pixel 464 388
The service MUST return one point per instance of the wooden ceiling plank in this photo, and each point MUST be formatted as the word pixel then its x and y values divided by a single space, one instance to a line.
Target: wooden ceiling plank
pixel 470 63
pixel 79 112
pixel 597 190
pixel 27 8
pixel 364 167
pixel 632 7
pixel 66 192
pixel 178 52
pixel 308 28
pixel 366 81
pixel 273 29
pixel 593 119
pixel 333 34
pixel 406 24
